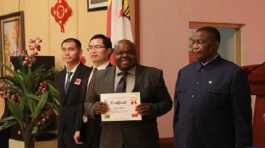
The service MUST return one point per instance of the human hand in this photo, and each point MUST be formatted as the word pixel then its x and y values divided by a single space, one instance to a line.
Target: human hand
pixel 77 137
pixel 145 109
pixel 100 107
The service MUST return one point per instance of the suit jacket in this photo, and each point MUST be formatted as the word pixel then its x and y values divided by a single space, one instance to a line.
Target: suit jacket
pixel 71 104
pixel 212 106
pixel 90 131
pixel 132 134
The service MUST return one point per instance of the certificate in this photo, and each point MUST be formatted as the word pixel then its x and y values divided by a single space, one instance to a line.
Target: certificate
pixel 121 106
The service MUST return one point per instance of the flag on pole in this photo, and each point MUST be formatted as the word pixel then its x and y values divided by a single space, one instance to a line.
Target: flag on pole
pixel 118 21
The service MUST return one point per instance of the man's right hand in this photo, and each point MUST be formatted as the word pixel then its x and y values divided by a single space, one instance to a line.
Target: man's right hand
pixel 77 137
pixel 100 108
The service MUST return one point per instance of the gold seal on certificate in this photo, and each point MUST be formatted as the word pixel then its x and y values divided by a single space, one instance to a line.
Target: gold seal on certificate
pixel 121 106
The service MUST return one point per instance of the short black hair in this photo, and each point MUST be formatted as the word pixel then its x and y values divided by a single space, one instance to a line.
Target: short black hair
pixel 106 40
pixel 76 41
pixel 211 30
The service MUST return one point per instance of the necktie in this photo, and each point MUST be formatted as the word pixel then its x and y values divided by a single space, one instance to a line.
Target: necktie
pixel 94 70
pixel 121 87
pixel 68 81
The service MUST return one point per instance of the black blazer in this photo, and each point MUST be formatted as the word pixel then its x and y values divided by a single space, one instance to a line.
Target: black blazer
pixel 132 134
pixel 90 131
pixel 212 106
pixel 71 103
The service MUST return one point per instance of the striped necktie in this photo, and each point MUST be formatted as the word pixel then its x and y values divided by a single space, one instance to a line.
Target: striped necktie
pixel 121 87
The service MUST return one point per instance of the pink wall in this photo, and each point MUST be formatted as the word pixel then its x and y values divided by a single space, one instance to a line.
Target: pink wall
pixel 164 34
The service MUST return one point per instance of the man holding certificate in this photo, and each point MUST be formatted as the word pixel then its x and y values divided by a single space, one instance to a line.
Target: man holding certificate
pixel 128 98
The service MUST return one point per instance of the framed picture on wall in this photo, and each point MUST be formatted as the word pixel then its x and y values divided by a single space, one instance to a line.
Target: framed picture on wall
pixel 97 5
pixel 12 37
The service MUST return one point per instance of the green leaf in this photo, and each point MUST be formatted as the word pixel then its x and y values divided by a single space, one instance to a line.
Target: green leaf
pixel 35 130
pixel 16 112
pixel 18 80
pixel 22 102
pixel 55 94
pixel 32 106
pixel 7 122
pixel 32 101
pixel 41 104
pixel 28 81
pixel 32 96
pixel 54 108
pixel 7 125
pixel 6 119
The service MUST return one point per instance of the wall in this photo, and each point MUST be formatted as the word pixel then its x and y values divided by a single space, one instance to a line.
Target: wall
pixel 40 23
pixel 164 34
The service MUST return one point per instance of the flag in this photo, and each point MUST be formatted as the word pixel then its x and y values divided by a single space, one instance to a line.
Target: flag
pixel 118 21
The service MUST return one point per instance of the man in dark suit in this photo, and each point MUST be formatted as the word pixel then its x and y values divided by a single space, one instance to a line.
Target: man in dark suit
pixel 212 99
pixel 71 82
pixel 99 50
pixel 128 76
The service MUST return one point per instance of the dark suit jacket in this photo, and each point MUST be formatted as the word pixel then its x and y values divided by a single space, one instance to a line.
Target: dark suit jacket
pixel 90 131
pixel 212 106
pixel 71 104
pixel 132 134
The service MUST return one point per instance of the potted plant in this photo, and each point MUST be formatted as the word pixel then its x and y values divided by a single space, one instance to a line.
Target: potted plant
pixel 30 96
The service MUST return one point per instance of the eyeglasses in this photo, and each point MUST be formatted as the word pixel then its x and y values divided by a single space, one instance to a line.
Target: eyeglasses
pixel 96 47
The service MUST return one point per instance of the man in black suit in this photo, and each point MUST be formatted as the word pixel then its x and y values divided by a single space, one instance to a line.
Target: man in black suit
pixel 128 76
pixel 71 82
pixel 212 99
pixel 99 50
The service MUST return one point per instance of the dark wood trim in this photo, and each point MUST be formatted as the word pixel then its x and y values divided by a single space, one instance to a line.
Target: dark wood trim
pixel 256 80
pixel 197 24
pixel 238 46
pixel 166 142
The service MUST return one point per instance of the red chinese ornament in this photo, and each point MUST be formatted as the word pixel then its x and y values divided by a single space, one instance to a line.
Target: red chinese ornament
pixel 61 11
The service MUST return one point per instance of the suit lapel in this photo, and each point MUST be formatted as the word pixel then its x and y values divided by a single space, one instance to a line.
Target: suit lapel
pixel 61 84
pixel 138 78
pixel 74 78
pixel 110 76
pixel 106 83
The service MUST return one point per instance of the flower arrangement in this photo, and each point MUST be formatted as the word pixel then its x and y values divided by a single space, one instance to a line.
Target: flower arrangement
pixel 30 95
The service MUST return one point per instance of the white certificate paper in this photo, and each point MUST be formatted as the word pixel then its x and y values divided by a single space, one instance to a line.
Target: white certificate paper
pixel 121 106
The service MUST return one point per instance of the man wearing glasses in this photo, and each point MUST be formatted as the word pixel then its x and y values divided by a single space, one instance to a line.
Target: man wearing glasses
pixel 99 50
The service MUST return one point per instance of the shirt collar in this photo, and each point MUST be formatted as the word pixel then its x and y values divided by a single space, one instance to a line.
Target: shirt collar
pixel 130 71
pixel 72 70
pixel 102 66
pixel 209 61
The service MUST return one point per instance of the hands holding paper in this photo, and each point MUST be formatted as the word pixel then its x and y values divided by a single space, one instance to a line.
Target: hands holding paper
pixel 145 109
pixel 100 108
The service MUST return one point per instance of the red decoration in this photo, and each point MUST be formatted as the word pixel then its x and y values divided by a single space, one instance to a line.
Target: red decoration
pixel 83 59
pixel 61 11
